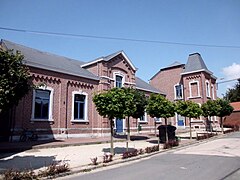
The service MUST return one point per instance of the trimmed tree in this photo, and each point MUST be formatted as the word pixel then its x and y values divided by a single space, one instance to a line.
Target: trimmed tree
pixel 189 109
pixel 134 106
pixel 14 79
pixel 158 106
pixel 109 104
pixel 225 110
pixel 209 109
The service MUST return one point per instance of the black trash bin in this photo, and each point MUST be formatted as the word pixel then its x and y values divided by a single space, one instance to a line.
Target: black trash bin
pixel 162 132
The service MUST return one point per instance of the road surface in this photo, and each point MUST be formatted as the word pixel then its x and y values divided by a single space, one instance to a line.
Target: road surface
pixel 213 160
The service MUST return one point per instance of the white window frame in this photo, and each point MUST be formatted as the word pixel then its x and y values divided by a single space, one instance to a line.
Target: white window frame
pixel 145 118
pixel 175 92
pixel 213 91
pixel 50 111
pixel 190 88
pixel 115 74
pixel 158 120
pixel 85 107
pixel 208 92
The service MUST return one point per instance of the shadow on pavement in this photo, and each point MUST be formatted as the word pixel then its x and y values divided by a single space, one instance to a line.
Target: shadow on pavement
pixel 26 162
pixel 132 138
pixel 118 150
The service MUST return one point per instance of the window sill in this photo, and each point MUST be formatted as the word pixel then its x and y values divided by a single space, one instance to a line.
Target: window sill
pixel 143 122
pixel 42 120
pixel 79 121
pixel 195 97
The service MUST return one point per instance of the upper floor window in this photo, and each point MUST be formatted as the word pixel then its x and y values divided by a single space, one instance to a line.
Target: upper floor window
pixel 79 109
pixel 178 91
pixel 42 104
pixel 207 89
pixel 213 92
pixel 194 89
pixel 119 80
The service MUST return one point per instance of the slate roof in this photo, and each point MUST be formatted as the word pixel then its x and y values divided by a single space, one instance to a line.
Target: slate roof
pixel 52 62
pixel 108 58
pixel 142 85
pixel 176 63
pixel 195 63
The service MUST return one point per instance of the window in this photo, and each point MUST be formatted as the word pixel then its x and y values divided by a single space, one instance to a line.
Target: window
pixel 207 89
pixel 119 81
pixel 213 93
pixel 42 104
pixel 194 89
pixel 158 120
pixel 79 103
pixel 79 106
pixel 178 91
pixel 143 118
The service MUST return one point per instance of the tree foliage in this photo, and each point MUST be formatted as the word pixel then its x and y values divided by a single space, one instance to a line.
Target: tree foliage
pixel 189 109
pixel 14 79
pixel 158 106
pixel 233 94
pixel 210 108
pixel 225 110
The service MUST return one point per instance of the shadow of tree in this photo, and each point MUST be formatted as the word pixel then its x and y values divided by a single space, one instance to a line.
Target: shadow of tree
pixel 153 141
pixel 26 162
pixel 118 150
pixel 132 138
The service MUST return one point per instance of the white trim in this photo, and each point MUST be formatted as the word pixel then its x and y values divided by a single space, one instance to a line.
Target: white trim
pixel 190 89
pixel 118 73
pixel 102 59
pixel 213 91
pixel 50 110
pixel 130 83
pixel 208 92
pixel 85 119
pixel 145 118
pixel 200 70
pixel 106 77
pixel 175 94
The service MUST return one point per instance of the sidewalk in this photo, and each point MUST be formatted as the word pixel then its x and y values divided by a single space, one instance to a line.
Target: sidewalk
pixel 76 152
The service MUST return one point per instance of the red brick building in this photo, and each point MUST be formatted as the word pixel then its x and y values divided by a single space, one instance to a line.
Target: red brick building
pixel 234 119
pixel 63 106
pixel 191 81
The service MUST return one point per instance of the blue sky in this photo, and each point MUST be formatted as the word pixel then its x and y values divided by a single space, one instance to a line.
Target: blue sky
pixel 215 22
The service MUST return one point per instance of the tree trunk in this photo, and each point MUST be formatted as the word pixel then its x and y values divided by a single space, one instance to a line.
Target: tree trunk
pixel 128 133
pixel 166 130
pixel 221 121
pixel 190 125
pixel 111 126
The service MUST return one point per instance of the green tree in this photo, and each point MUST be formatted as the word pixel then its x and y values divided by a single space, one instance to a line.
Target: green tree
pixel 189 109
pixel 14 79
pixel 225 110
pixel 209 109
pixel 233 94
pixel 134 106
pixel 158 106
pixel 109 104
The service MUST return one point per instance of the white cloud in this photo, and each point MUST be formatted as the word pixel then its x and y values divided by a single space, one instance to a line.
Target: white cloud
pixel 232 72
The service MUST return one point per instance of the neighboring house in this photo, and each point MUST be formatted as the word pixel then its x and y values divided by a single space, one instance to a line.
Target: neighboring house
pixel 62 107
pixel 192 81
pixel 234 119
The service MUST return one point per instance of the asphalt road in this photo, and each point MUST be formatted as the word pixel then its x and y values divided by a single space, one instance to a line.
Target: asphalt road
pixel 213 160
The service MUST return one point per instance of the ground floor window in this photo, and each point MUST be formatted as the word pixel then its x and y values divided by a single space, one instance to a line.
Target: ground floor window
pixel 42 104
pixel 79 106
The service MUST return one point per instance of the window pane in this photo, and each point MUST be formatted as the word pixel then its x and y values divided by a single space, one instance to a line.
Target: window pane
pixel 42 98
pixel 118 81
pixel 79 105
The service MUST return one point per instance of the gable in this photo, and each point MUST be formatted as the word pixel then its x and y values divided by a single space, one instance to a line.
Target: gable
pixel 111 57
